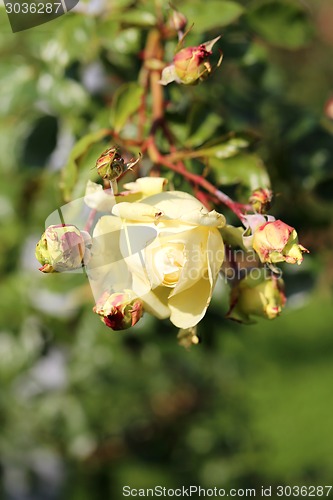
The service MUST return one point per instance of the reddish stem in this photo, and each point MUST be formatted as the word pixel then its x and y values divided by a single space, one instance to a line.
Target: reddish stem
pixel 237 208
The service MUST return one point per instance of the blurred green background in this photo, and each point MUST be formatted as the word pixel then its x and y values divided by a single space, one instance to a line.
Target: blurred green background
pixel 84 411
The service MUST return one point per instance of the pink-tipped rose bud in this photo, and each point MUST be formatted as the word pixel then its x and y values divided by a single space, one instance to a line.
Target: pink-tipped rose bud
pixel 110 164
pixel 261 199
pixel 191 65
pixel 261 296
pixel 119 311
pixel 277 242
pixel 63 248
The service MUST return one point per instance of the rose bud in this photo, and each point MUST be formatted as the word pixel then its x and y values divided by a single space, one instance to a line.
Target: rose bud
pixel 119 311
pixel 110 164
pixel 63 248
pixel 190 65
pixel 177 20
pixel 263 297
pixel 277 242
pixel 261 199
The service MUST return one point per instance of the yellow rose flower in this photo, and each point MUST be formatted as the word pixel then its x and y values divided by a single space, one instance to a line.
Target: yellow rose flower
pixel 173 252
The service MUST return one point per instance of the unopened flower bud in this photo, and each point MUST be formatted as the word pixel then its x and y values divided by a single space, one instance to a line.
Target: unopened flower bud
pixel 261 199
pixel 263 297
pixel 177 20
pixel 190 65
pixel 119 311
pixel 63 248
pixel 277 242
pixel 110 164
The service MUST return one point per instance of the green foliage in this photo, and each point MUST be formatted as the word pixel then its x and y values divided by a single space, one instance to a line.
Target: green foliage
pixel 281 23
pixel 245 169
pixel 126 101
pixel 212 14
pixel 73 172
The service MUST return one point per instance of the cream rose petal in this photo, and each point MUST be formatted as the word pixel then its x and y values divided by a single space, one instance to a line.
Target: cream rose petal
pixel 196 258
pixel 155 302
pixel 188 307
pixel 137 212
pixel 175 204
pixel 107 269
pixel 98 198
pixel 200 218
pixel 215 255
pixel 147 186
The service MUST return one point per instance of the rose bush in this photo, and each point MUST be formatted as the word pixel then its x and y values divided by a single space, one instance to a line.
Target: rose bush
pixel 169 250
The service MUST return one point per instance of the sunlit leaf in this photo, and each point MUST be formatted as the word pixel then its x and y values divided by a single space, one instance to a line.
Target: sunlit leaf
pixel 70 171
pixel 245 169
pixel 136 17
pixel 209 15
pixel 202 123
pixel 125 102
pixel 225 149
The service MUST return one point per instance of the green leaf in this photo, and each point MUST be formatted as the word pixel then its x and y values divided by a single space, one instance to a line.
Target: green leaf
pixel 233 236
pixel 202 123
pixel 223 150
pixel 18 87
pixel 136 17
pixel 125 102
pixel 71 171
pixel 210 15
pixel 245 169
pixel 281 23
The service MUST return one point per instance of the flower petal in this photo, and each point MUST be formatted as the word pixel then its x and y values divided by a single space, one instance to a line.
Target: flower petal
pixel 199 218
pixel 98 198
pixel 147 186
pixel 188 307
pixel 138 212
pixel 175 204
pixel 169 75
